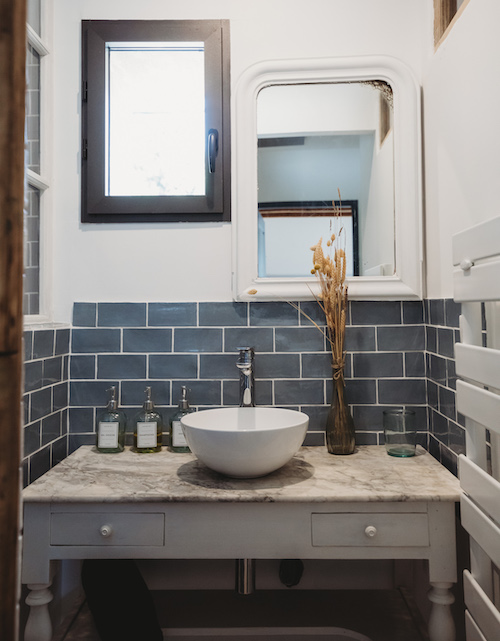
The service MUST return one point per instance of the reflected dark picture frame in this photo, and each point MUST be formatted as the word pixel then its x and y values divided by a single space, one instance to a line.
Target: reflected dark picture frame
pixel 315 208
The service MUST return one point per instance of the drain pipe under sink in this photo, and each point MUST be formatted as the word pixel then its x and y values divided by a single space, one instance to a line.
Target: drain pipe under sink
pixel 245 576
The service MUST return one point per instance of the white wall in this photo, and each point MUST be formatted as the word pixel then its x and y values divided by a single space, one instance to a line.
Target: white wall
pixel 177 262
pixel 461 92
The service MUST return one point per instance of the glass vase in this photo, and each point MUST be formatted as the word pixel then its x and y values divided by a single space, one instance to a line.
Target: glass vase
pixel 340 432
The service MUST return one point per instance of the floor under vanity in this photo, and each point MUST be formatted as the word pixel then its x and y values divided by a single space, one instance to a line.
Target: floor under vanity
pixel 383 615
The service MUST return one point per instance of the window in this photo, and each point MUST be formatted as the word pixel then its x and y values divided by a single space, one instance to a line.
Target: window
pixel 155 107
pixel 34 303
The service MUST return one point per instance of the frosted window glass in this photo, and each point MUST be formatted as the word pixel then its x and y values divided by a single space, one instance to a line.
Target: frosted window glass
pixel 156 126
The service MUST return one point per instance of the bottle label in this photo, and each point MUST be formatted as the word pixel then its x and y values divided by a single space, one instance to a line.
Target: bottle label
pixel 147 434
pixel 107 435
pixel 178 438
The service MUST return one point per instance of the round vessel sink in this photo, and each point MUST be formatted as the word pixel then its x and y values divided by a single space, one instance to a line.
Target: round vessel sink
pixel 245 442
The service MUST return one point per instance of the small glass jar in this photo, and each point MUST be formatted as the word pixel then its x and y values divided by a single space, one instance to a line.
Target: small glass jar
pixel 399 432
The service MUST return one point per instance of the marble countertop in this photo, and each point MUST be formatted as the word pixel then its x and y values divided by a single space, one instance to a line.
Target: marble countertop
pixel 312 475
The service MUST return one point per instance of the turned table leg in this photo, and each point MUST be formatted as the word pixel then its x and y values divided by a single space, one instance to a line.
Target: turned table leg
pixel 441 624
pixel 39 625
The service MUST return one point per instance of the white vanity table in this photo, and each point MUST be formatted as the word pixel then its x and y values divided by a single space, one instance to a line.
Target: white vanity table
pixel 365 506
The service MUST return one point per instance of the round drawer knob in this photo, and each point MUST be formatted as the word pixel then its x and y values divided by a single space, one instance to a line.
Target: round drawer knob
pixel 371 531
pixel 106 530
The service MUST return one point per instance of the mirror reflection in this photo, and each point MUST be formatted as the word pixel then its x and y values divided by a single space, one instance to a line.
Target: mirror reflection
pixel 313 141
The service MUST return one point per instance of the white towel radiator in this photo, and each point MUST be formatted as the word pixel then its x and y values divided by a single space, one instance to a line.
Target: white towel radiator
pixel 476 257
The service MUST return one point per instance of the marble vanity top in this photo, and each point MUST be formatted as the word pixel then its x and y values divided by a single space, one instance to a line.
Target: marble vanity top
pixel 312 475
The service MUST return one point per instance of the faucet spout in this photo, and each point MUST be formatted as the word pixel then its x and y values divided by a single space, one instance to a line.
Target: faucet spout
pixel 245 365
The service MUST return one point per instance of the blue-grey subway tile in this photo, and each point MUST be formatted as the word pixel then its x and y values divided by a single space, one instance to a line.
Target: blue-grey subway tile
pixel 405 338
pixel 83 366
pixel 218 366
pixel 368 418
pixel 375 312
pixel 436 369
pixel 317 365
pixel 59 450
pixel 432 395
pixel 121 314
pixel 172 314
pixel 85 314
pixel 133 392
pixel 25 473
pixel 51 428
pixel 90 393
pixel 377 365
pixel 33 375
pixel 298 339
pixel 271 313
pixel 81 419
pixel 39 463
pixel 457 438
pixel 263 392
pixel 317 416
pixel 452 311
pixel 298 392
pixel 26 409
pixel 450 461
pixel 28 345
pixel 91 341
pixel 121 366
pixel 201 392
pixel 446 342
pixel 64 420
pixel 52 370
pixel 358 391
pixel 366 438
pixel 413 312
pixel 277 366
pixel 436 311
pixel 314 439
pixel 360 339
pixel 173 366
pixel 60 396
pixel 402 392
pixel 147 340
pixel 62 341
pixel 439 427
pixel 77 440
pixel 311 313
pixel 431 339
pixel 451 374
pixel 65 369
pixel 415 365
pixel 447 402
pixel 43 343
pixel 41 403
pixel 260 338
pixel 198 340
pixel 223 314
pixel 434 447
pixel 32 438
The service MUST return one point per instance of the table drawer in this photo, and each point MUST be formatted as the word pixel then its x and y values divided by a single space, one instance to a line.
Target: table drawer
pixel 94 528
pixel 369 530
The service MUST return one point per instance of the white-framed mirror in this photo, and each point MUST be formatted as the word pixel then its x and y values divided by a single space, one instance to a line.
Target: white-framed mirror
pixel 283 109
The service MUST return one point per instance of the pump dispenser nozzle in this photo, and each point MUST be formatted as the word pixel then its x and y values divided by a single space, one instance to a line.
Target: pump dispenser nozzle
pixel 183 401
pixel 112 403
pixel 148 403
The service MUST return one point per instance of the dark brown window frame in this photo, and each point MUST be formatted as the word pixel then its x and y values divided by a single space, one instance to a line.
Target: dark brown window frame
pixel 96 206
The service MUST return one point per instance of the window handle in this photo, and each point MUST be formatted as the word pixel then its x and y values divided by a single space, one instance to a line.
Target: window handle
pixel 213 149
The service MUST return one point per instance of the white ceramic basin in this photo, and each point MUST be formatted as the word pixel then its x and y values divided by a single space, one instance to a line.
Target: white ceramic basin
pixel 245 442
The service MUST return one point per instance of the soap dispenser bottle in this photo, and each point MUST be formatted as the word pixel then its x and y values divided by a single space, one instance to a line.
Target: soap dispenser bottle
pixel 111 424
pixel 177 440
pixel 148 427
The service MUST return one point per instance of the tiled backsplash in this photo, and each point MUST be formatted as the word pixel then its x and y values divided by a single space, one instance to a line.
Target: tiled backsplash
pixel 45 400
pixel 398 353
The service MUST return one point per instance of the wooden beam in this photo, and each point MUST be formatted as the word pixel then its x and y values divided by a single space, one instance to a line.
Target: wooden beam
pixel 12 90
pixel 444 10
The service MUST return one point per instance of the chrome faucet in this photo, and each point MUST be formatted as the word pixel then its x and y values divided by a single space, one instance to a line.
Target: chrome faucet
pixel 245 365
